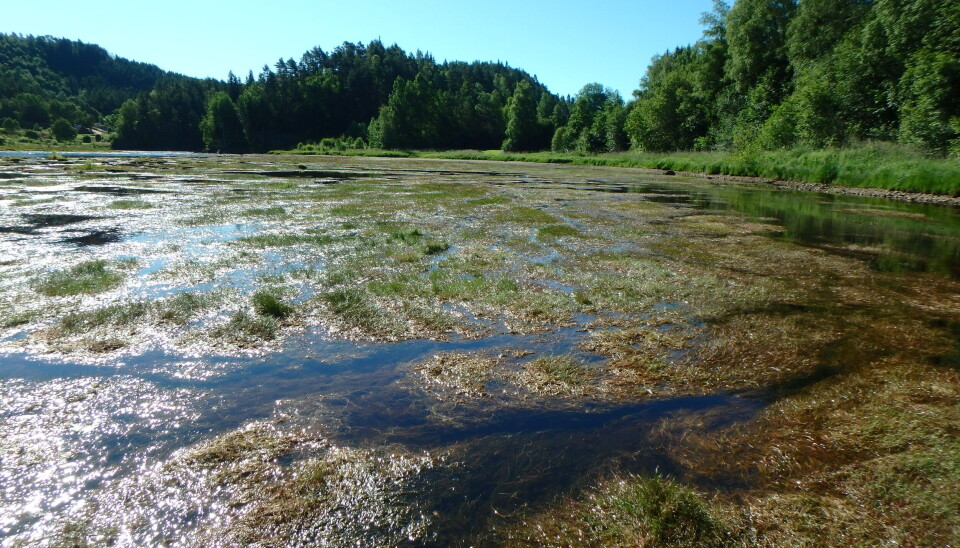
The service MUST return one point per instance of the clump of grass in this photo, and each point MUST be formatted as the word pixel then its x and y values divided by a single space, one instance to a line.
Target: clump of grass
pixel 355 308
pixel 560 374
pixel 525 215
pixel 398 284
pixel 245 329
pixel 431 318
pixel 180 308
pixel 89 278
pixel 625 345
pixel 410 236
pixel 9 320
pixel 316 502
pixel 628 511
pixel 435 247
pixel 256 440
pixel 266 302
pixel 461 374
pixel 129 204
pixel 116 315
pixel 556 231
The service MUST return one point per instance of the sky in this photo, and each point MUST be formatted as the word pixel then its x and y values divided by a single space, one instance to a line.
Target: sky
pixel 565 44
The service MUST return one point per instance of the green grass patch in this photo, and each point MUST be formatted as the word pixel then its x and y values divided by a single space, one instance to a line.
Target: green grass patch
pixel 181 308
pixel 556 231
pixel 89 278
pixel 245 329
pixel 114 315
pixel 629 511
pixel 266 302
pixel 285 240
pixel 286 185
pixel 348 210
pixel 489 200
pixel 8 321
pixel 872 165
pixel 525 215
pixel 409 236
pixel 357 310
pixel 129 204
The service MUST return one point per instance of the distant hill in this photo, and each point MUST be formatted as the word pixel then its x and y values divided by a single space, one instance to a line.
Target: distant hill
pixel 407 100
pixel 44 78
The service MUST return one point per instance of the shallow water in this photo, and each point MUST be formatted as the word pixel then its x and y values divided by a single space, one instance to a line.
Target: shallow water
pixel 79 425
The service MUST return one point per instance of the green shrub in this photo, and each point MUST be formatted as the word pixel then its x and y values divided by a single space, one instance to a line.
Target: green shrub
pixel 10 126
pixel 63 130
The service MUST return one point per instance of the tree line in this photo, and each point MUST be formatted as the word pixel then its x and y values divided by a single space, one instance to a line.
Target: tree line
pixel 783 73
pixel 766 74
pixel 43 79
pixel 381 95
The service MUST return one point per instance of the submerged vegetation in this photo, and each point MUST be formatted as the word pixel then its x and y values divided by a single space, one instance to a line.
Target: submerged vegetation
pixel 604 356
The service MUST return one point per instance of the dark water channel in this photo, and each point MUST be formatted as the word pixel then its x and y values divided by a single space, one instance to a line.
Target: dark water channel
pixel 515 454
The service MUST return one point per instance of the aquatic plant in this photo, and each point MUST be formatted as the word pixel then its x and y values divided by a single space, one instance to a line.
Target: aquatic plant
pixel 89 278
pixel 624 512
pixel 266 302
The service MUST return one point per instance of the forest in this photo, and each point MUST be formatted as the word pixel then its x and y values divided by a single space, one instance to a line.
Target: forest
pixel 766 74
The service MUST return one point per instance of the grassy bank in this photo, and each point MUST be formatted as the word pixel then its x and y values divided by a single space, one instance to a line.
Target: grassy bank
pixel 872 165
pixel 20 142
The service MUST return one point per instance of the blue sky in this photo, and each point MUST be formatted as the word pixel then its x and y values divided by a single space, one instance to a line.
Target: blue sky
pixel 565 44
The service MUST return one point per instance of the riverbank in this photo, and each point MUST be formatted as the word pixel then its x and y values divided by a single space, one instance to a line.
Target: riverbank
pixel 874 169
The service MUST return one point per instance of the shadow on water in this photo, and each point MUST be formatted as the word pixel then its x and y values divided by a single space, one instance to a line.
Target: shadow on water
pixel 309 174
pixel 536 456
pixel 37 221
pixel 47 220
pixel 117 190
pixel 95 238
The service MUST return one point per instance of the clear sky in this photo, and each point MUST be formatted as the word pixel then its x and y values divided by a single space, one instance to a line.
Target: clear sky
pixel 565 44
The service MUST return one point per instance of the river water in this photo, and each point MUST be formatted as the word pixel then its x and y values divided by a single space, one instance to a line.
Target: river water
pixel 80 429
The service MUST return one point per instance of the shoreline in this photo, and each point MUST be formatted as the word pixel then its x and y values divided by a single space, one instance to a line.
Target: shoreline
pixel 823 188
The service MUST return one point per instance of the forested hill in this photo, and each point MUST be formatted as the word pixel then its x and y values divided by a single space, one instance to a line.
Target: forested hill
pixel 382 94
pixel 782 73
pixel 44 78
pixel 368 92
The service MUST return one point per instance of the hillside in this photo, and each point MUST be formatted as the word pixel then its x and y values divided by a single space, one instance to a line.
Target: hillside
pixel 44 78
